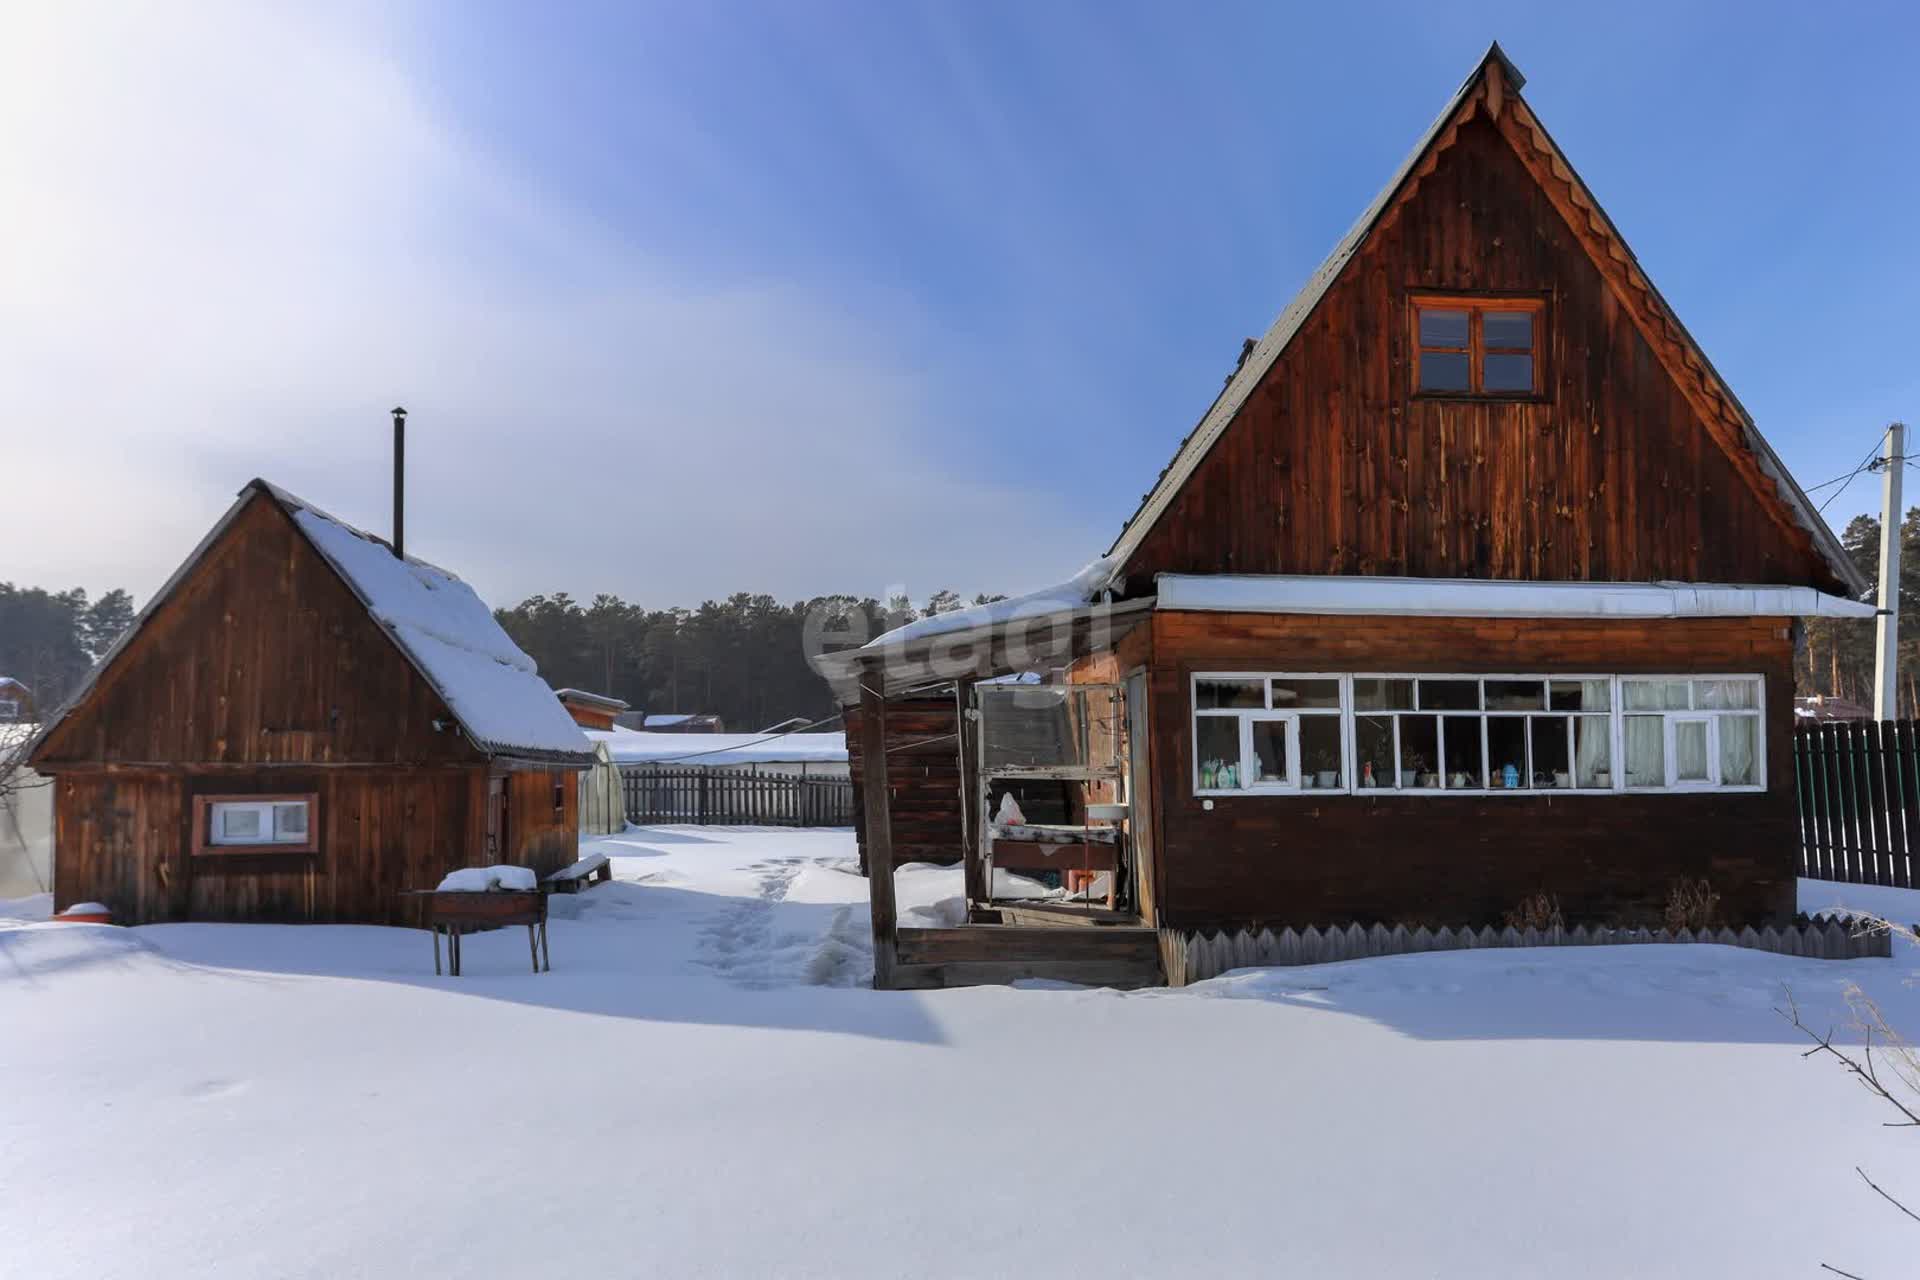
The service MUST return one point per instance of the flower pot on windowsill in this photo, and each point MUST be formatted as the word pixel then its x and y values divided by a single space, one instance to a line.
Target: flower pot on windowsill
pixel 1327 779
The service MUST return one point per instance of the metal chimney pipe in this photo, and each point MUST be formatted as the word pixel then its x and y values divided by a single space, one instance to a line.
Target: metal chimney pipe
pixel 400 483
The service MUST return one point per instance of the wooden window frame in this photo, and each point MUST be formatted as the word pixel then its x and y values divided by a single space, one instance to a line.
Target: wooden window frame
pixel 203 845
pixel 1476 306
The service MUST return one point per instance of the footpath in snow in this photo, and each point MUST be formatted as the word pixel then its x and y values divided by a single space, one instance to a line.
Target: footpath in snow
pixel 704 1085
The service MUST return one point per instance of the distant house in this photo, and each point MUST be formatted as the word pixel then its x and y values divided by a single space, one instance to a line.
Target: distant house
pixel 590 710
pixel 1474 582
pixel 602 798
pixel 678 722
pixel 16 702
pixel 1823 709
pixel 300 726
pixel 813 755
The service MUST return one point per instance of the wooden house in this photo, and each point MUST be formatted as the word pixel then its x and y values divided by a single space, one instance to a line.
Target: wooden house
pixel 1474 582
pixel 590 710
pixel 301 725
pixel 16 702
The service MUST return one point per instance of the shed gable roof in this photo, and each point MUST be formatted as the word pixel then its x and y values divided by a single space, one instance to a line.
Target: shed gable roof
pixel 1494 88
pixel 436 621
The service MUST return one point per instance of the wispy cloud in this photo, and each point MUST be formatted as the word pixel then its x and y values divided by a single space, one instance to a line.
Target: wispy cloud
pixel 235 237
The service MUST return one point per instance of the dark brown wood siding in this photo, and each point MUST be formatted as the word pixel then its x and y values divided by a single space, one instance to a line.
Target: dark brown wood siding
pixel 923 779
pixel 125 839
pixel 263 656
pixel 264 675
pixel 1334 466
pixel 543 818
pixel 1311 859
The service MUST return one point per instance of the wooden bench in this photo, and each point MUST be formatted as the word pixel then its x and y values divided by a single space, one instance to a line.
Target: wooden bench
pixel 592 869
pixel 462 912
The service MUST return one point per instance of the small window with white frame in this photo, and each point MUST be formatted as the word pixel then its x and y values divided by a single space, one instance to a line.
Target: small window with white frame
pixel 1685 733
pixel 9 709
pixel 1268 733
pixel 283 823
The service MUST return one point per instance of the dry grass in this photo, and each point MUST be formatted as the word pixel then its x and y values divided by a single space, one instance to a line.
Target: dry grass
pixel 1541 911
pixel 1691 904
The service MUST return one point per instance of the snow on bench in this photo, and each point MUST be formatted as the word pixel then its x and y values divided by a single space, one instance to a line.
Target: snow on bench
pixel 581 874
pixel 489 880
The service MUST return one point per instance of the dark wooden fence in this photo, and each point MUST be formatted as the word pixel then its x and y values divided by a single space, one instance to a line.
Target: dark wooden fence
pixel 734 797
pixel 1858 784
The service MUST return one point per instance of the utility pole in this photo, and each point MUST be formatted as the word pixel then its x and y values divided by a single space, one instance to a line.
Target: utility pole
pixel 1886 640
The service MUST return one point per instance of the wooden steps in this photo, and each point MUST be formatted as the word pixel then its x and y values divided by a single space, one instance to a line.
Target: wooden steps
pixel 980 955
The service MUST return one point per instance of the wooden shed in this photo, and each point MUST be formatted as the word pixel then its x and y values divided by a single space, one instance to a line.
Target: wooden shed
pixel 1475 582
pixel 300 726
pixel 16 702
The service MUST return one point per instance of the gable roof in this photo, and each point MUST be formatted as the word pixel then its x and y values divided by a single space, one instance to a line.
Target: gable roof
pixel 438 622
pixel 1494 86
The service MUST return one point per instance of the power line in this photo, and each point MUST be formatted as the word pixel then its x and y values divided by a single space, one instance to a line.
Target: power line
pixel 1872 455
pixel 742 746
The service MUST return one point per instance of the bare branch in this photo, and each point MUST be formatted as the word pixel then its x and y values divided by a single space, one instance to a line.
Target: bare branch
pixel 1884 1196
pixel 1869 1019
pixel 1826 1266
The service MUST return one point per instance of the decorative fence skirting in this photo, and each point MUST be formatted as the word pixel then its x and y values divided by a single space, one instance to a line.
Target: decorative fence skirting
pixel 734 797
pixel 1192 957
pixel 1858 787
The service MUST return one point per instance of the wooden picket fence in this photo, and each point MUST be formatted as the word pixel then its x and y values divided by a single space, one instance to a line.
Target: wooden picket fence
pixel 1858 786
pixel 708 795
pixel 1195 956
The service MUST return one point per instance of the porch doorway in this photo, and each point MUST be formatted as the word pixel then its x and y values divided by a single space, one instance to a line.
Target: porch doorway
pixel 1053 779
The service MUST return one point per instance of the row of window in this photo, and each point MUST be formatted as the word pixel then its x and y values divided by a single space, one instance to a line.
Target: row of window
pixel 1279 732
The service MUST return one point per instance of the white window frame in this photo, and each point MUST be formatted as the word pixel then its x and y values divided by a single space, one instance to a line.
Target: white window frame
pixel 1268 712
pixel 1616 714
pixel 1711 715
pixel 9 708
pixel 269 811
pixel 1482 716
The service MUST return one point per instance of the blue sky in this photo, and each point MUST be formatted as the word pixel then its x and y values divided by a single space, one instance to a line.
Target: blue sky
pixel 688 299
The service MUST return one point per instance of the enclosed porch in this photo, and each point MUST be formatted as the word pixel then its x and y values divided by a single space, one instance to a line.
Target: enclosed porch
pixel 1005 750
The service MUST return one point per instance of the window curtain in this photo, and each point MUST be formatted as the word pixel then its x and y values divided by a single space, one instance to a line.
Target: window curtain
pixel 1726 695
pixel 1739 748
pixel 1690 751
pixel 1646 751
pixel 1591 749
pixel 1596 695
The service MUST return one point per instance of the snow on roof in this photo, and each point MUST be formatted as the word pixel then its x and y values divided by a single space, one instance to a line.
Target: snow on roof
pixel 9 681
pixel 1075 593
pixel 489 683
pixel 678 717
pixel 1473 598
pixel 636 746
pixel 592 699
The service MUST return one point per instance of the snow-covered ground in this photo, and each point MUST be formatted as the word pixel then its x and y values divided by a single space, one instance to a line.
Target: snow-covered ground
pixel 702 1086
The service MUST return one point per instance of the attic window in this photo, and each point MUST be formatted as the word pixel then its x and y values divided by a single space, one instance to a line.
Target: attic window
pixel 1478 346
